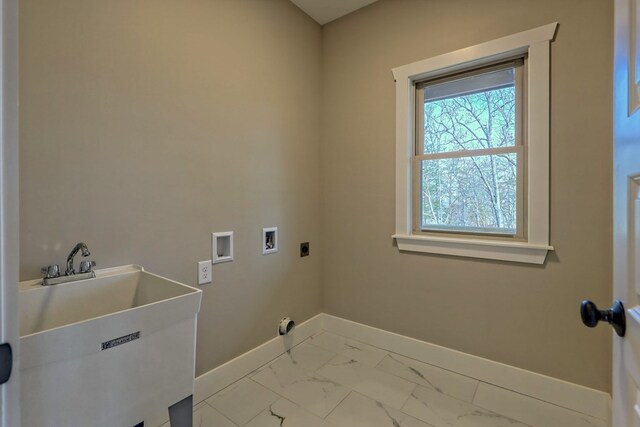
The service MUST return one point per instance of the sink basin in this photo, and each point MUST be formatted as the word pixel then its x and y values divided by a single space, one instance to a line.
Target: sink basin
pixel 112 291
pixel 121 347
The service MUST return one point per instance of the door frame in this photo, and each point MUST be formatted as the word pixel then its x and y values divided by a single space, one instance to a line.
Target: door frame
pixel 9 208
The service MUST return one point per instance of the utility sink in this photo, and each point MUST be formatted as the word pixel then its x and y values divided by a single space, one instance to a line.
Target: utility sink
pixel 117 349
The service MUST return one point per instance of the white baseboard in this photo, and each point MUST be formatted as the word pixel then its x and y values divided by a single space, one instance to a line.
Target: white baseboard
pixel 548 389
pixel 552 390
pixel 218 378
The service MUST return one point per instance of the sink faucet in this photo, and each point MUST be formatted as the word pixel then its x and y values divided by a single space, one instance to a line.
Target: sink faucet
pixel 79 247
pixel 52 272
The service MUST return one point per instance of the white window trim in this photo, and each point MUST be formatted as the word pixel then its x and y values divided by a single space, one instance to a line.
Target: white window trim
pixel 535 43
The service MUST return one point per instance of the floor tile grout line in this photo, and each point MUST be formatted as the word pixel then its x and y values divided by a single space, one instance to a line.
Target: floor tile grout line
pixel 221 414
pixel 407 399
pixel 354 339
pixel 198 405
pixel 322 348
pixel 269 388
pixel 475 392
pixel 339 403
pixel 382 360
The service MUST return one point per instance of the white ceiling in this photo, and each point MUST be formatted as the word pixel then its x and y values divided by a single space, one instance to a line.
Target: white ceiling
pixel 324 11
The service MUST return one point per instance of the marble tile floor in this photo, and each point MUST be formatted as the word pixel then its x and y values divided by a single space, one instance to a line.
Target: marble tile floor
pixel 332 381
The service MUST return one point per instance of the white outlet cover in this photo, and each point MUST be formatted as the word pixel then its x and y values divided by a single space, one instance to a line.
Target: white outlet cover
pixel 204 272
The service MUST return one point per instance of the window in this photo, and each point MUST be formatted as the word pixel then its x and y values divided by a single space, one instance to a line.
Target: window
pixel 472 150
pixel 469 152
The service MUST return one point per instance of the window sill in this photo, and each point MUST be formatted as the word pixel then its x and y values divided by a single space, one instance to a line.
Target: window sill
pixel 474 248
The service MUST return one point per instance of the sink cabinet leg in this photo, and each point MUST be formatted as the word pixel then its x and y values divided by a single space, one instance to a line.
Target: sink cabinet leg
pixel 181 413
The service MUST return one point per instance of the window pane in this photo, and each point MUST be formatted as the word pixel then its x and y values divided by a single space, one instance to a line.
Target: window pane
pixel 470 113
pixel 476 193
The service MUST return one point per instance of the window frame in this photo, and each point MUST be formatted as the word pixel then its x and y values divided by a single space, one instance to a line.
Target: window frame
pixel 533 245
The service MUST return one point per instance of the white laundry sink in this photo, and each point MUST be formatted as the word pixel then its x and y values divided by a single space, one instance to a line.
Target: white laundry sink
pixel 117 349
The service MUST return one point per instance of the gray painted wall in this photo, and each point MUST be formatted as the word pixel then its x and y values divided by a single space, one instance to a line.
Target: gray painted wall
pixel 147 125
pixel 522 315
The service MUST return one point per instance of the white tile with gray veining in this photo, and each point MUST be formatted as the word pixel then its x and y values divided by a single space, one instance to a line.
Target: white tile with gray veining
pixel 426 375
pixel 358 410
pixel 284 413
pixel 355 350
pixel 242 400
pixel 289 377
pixel 331 381
pixel 529 410
pixel 386 388
pixel 440 410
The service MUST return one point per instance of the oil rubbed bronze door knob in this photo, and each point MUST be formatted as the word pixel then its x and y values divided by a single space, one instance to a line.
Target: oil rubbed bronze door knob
pixel 613 316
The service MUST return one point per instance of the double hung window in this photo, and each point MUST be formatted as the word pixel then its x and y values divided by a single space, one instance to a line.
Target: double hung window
pixel 469 152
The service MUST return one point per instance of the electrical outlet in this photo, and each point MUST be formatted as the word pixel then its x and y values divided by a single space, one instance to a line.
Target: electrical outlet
pixel 304 249
pixel 204 272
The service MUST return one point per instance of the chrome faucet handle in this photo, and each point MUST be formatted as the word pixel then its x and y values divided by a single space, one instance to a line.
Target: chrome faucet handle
pixel 51 271
pixel 86 266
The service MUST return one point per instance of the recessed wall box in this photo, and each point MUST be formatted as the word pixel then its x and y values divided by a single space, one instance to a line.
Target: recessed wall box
pixel 269 240
pixel 221 247
pixel 304 249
